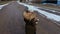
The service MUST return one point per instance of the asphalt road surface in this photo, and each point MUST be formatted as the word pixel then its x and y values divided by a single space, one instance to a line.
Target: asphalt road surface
pixel 11 21
pixel 47 26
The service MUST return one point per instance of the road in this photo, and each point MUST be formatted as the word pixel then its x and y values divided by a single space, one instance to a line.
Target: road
pixel 11 21
pixel 47 26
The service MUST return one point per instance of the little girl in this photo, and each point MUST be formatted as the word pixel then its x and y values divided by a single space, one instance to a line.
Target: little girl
pixel 30 19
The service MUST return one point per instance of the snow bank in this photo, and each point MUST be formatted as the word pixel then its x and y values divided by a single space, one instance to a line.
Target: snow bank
pixel 47 14
pixel 1 6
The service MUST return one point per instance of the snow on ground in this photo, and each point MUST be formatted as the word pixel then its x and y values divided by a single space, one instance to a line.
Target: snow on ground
pixel 1 6
pixel 47 14
pixel 47 9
